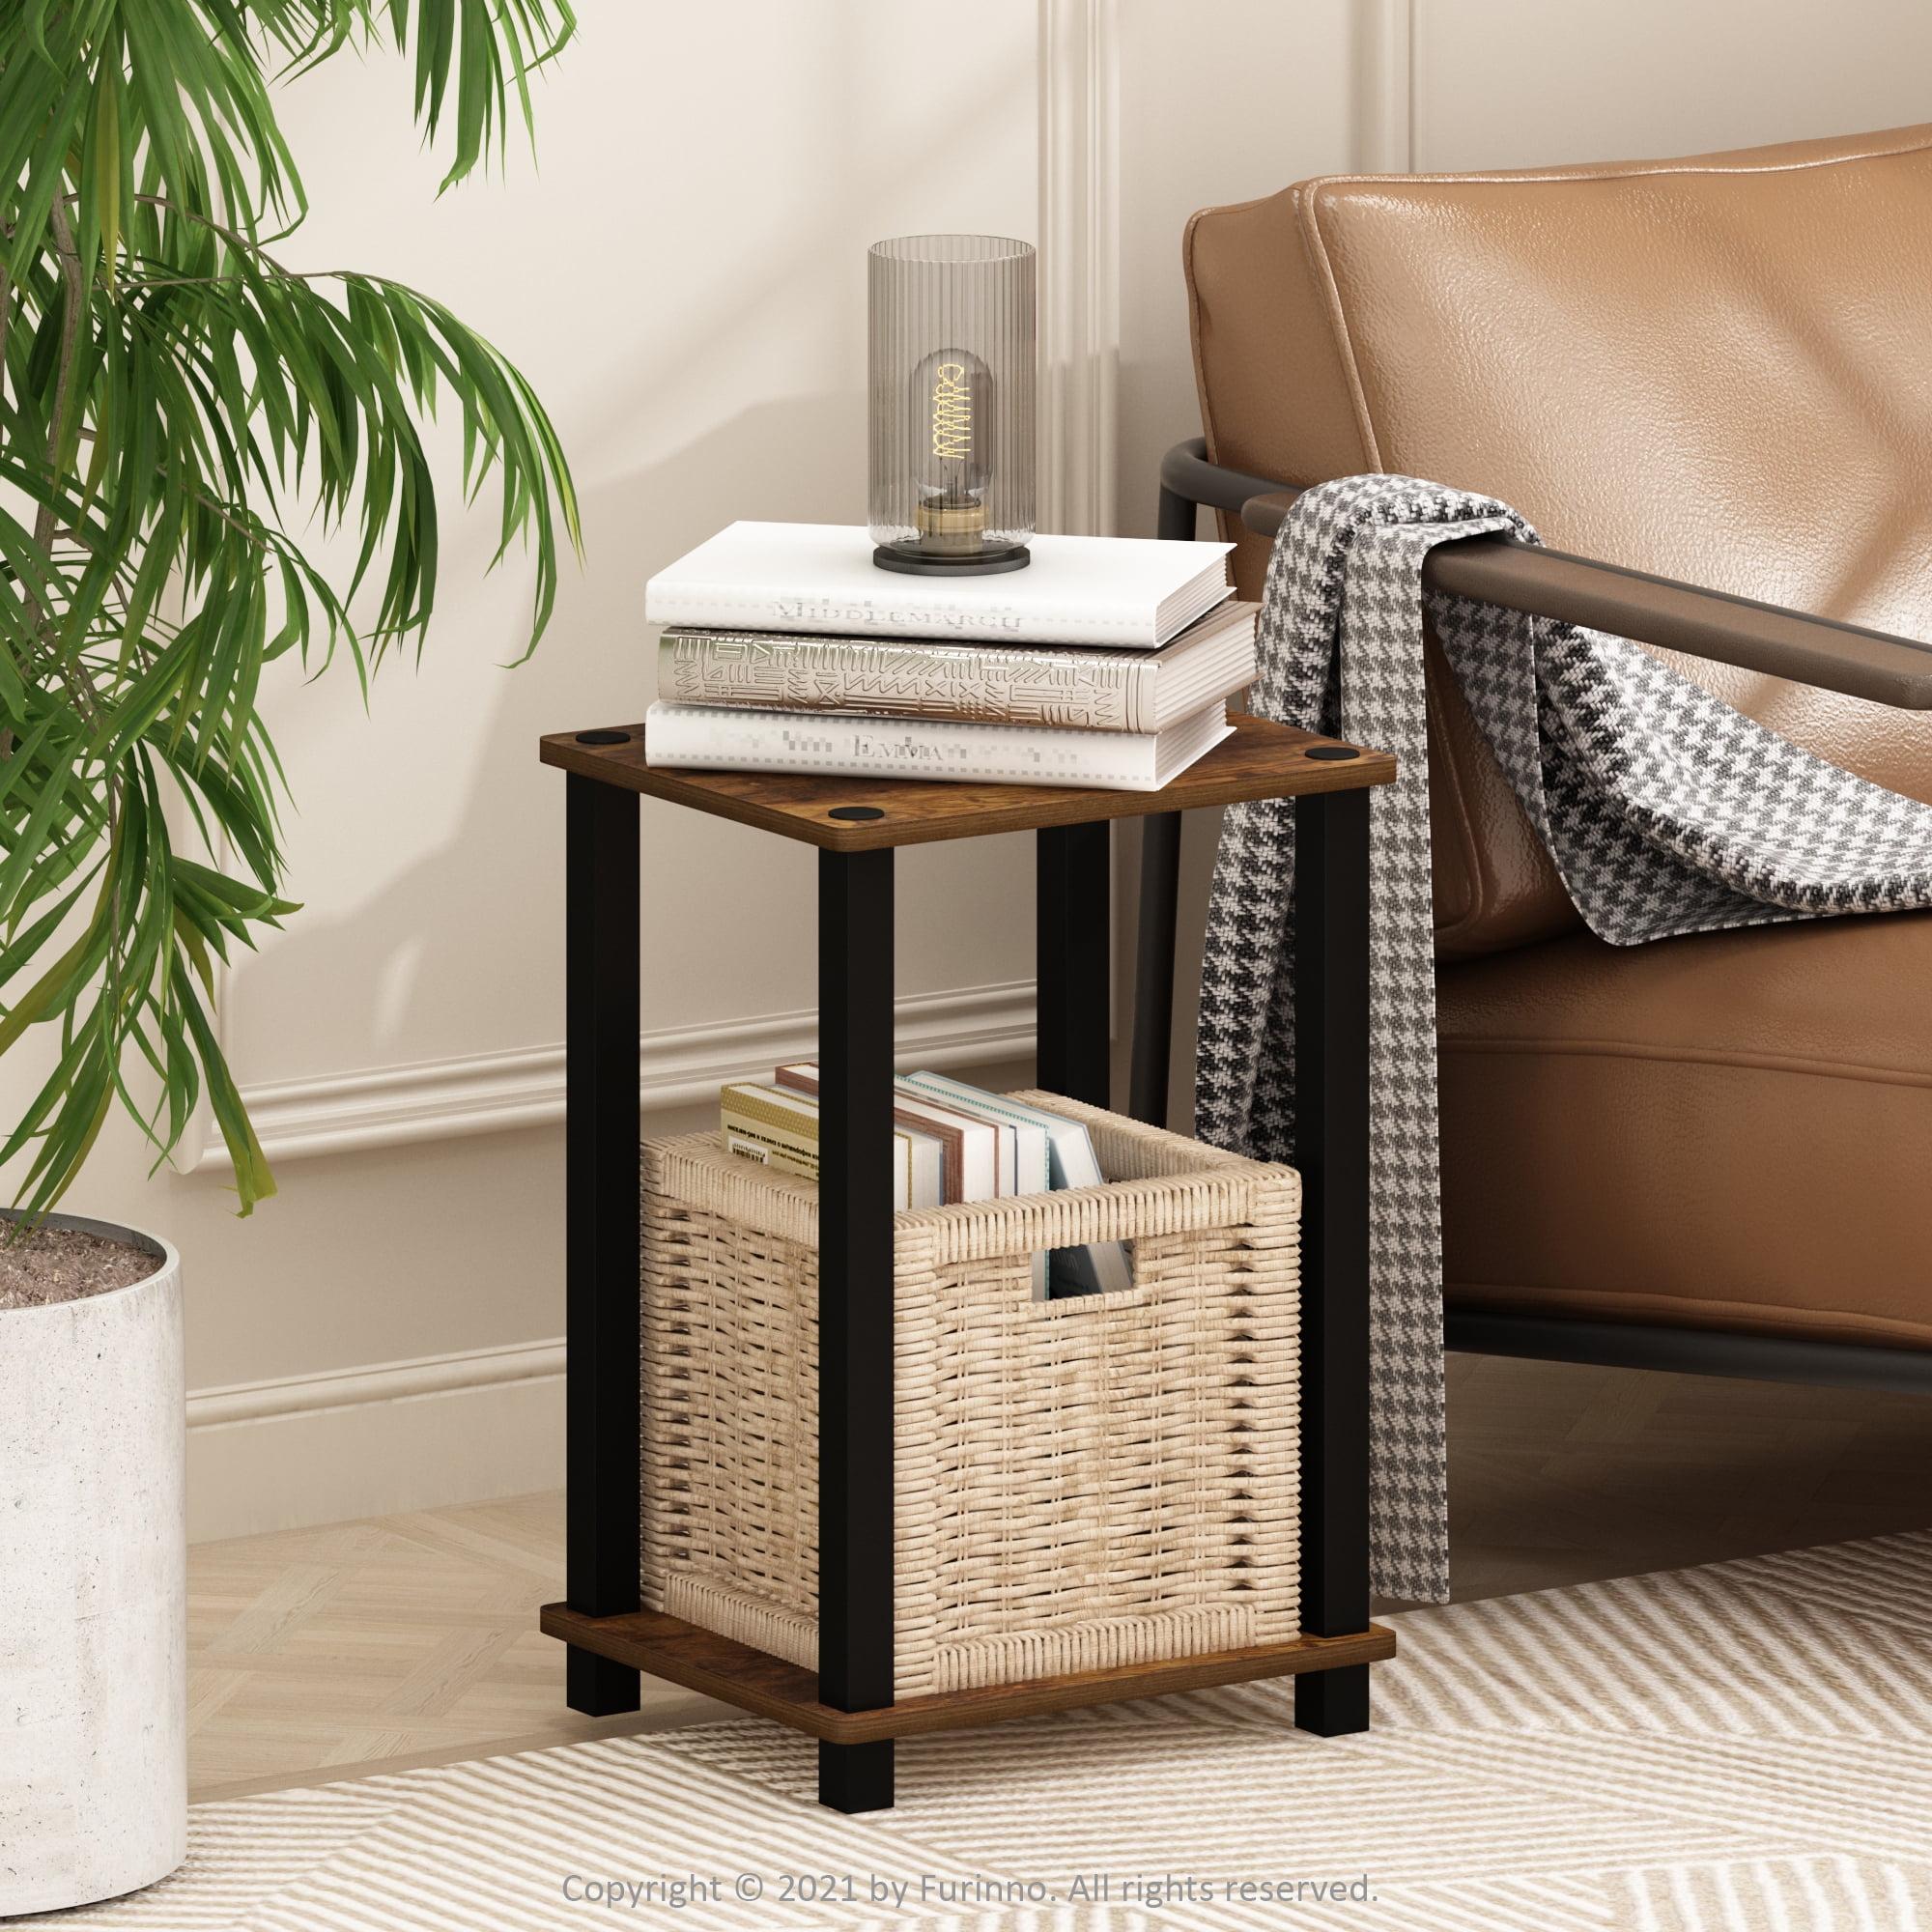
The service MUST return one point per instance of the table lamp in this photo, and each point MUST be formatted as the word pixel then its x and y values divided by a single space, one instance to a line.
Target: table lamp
pixel 952 359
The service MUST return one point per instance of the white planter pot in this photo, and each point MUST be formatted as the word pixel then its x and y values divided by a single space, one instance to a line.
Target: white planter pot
pixel 93 1591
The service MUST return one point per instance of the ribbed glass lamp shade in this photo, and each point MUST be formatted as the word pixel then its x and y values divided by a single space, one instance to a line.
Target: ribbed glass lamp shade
pixel 953 351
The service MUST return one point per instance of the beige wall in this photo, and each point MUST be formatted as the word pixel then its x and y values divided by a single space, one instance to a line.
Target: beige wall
pixel 682 275
pixel 1517 83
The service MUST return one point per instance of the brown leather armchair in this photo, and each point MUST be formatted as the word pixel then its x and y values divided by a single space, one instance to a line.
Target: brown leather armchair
pixel 1710 1152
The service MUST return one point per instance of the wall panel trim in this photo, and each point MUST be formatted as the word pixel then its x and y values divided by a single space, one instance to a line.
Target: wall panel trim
pixel 1388 137
pixel 1080 263
pixel 523 1087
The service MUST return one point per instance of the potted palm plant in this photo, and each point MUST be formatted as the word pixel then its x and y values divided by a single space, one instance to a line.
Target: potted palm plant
pixel 172 390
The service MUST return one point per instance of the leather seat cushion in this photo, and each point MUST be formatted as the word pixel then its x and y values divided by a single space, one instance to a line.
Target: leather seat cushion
pixel 1732 1130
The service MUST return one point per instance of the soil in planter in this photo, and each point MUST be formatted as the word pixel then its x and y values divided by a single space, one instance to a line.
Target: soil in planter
pixel 66 1265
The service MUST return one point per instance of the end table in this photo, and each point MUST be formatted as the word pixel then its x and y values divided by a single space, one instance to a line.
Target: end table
pixel 857 824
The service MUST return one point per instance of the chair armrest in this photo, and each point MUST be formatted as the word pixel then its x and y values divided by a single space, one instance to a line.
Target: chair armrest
pixel 1755 637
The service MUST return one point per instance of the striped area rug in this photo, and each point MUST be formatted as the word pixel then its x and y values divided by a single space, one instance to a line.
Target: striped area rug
pixel 1745 1746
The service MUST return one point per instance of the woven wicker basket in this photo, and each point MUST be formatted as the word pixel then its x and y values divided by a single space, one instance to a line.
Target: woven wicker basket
pixel 1080 1484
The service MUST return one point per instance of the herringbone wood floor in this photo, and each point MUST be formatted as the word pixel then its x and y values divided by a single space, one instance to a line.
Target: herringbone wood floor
pixel 413 1638
pixel 402 1639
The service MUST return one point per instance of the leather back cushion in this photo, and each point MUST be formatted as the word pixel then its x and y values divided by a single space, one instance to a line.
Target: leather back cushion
pixel 1717 369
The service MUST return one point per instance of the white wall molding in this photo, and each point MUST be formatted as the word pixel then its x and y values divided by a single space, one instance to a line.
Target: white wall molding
pixel 387 1382
pixel 1080 263
pixel 369 1441
pixel 1387 139
pixel 439 1100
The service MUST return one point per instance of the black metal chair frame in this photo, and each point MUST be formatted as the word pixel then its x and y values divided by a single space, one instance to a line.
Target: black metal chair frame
pixel 1765 637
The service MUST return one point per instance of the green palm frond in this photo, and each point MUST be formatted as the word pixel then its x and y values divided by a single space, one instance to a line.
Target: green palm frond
pixel 176 398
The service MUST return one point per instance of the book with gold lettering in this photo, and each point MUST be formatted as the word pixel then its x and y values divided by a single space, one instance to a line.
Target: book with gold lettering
pixel 911 677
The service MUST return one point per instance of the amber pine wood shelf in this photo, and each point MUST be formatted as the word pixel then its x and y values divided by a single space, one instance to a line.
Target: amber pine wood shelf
pixel 753 1680
pixel 1262 759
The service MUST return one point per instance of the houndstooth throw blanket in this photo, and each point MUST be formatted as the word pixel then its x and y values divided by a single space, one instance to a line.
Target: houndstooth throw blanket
pixel 1665 810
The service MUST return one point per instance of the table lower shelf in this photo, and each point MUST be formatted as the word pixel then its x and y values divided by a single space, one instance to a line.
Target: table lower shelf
pixel 734 1673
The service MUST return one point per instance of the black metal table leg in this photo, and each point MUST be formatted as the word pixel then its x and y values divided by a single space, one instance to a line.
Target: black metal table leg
pixel 855 1315
pixel 1160 899
pixel 1331 1076
pixel 1153 968
pixel 600 1447
pixel 1074 951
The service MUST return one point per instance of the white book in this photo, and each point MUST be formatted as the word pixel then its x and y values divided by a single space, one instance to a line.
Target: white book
pixel 1125 593
pixel 1023 1140
pixel 724 738
pixel 979 1143
pixel 925 1170
pixel 1072 689
pixel 1100 1269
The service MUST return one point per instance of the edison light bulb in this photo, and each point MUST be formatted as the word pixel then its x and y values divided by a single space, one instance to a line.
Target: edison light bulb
pixel 951 421
pixel 951 362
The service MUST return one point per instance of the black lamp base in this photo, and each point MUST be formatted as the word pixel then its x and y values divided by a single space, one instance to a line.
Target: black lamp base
pixel 988 564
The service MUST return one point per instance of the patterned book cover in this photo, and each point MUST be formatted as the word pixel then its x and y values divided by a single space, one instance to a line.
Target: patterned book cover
pixel 731 738
pixel 1092 691
pixel 756 1121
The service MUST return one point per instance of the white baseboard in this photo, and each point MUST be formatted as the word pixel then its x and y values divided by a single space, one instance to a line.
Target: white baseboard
pixel 437 1099
pixel 374 1441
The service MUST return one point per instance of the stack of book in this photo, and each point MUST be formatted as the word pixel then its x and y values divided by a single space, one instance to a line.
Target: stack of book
pixel 951 1142
pixel 1106 663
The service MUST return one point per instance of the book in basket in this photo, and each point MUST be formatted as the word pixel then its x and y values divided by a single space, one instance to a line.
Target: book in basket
pixel 780 1127
pixel 1099 1267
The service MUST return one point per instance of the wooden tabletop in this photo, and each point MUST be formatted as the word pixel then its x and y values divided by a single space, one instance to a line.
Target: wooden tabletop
pixel 1260 761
